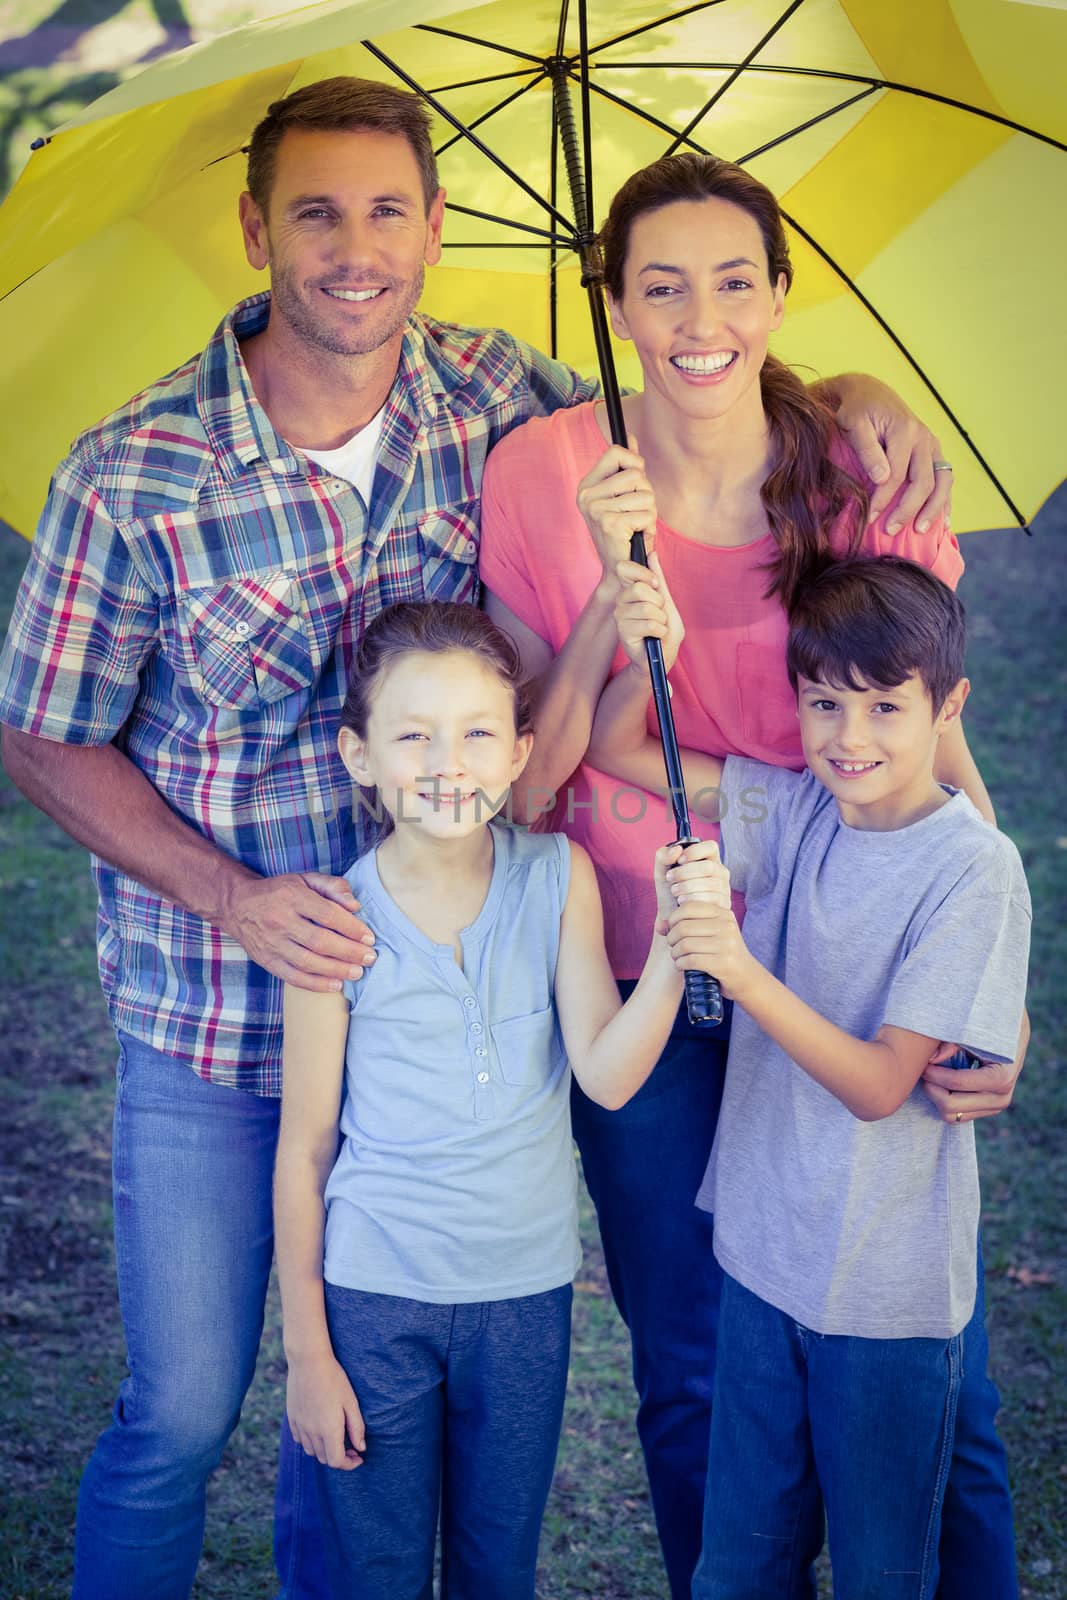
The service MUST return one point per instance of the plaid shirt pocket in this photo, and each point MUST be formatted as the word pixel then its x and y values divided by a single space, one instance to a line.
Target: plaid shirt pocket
pixel 250 640
pixel 448 550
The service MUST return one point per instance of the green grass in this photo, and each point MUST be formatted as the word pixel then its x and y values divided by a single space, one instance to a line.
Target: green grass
pixel 61 1350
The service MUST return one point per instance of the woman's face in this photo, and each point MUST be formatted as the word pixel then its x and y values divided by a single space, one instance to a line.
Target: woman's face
pixel 699 305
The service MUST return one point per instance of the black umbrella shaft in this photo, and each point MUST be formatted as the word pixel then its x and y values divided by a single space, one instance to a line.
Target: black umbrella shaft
pixel 702 993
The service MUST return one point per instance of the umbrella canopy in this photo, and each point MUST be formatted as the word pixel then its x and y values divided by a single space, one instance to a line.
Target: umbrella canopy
pixel 917 149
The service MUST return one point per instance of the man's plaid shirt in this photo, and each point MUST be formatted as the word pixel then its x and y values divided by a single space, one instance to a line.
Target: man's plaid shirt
pixel 195 593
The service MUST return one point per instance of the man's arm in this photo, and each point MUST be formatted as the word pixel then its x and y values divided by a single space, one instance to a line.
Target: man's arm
pixel 301 927
pixel 893 447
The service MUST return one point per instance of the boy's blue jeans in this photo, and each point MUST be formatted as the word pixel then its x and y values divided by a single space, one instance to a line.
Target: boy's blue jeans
pixel 193 1166
pixel 643 1165
pixel 803 1421
pixel 463 1405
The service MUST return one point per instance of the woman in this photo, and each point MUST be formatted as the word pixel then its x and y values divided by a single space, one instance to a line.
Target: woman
pixel 741 474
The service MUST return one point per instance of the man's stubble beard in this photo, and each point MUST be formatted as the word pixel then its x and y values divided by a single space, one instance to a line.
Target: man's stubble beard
pixel 288 303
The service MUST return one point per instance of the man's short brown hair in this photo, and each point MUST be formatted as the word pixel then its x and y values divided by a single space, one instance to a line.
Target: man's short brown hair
pixel 341 105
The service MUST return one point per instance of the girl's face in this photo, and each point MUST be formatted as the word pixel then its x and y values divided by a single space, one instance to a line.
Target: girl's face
pixel 699 305
pixel 441 745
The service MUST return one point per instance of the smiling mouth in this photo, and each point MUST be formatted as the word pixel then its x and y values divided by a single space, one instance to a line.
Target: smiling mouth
pixel 705 366
pixel 355 294
pixel 853 769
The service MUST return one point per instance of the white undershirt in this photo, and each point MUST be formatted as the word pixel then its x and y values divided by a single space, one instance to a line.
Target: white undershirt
pixel 354 460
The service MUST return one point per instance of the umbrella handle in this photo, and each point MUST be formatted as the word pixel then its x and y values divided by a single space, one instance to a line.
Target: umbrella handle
pixel 703 996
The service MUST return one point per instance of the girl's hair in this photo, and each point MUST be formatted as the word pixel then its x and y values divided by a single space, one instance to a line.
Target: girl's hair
pixel 432 626
pixel 805 491
pixel 873 621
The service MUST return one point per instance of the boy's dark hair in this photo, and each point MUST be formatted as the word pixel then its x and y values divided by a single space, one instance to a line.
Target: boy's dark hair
pixel 432 626
pixel 342 105
pixel 874 620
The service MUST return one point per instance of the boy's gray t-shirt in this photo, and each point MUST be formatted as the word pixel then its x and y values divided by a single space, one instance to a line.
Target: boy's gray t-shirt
pixel 850 1227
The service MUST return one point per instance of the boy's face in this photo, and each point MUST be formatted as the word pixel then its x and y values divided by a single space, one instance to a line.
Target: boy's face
pixel 874 748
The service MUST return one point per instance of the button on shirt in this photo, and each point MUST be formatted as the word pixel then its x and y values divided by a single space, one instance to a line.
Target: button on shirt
pixel 456 1178
pixel 196 590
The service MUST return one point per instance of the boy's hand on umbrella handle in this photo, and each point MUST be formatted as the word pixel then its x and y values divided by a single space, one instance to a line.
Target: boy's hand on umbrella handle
pixel 703 936
pixel 616 500
pixel 899 454
pixel 646 610
pixel 324 1414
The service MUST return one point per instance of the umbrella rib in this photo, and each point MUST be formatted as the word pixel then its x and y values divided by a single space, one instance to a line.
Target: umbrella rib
pixel 928 382
pixel 658 22
pixel 838 77
pixel 803 127
pixel 508 222
pixel 793 6
pixel 470 38
pixel 645 116
pixel 476 83
pixel 508 100
pixel 478 144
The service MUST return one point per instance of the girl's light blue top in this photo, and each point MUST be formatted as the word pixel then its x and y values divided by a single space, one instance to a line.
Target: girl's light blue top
pixel 456 1177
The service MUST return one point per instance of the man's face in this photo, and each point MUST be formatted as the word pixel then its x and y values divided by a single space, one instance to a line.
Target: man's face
pixel 347 238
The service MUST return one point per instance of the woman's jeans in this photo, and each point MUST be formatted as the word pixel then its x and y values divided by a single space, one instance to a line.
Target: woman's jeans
pixel 805 1422
pixel 643 1165
pixel 193 1167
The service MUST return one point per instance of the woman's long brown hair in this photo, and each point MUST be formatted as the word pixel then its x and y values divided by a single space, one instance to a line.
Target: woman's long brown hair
pixel 805 491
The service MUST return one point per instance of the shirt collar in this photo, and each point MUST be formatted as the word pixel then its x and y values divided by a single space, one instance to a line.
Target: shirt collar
pixel 238 428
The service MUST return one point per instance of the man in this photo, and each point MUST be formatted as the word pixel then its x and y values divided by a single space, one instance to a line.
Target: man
pixel 170 686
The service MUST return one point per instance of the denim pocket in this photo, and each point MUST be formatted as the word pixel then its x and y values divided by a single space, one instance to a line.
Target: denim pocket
pixel 250 640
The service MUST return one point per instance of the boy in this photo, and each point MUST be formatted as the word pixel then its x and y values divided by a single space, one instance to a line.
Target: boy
pixel 882 916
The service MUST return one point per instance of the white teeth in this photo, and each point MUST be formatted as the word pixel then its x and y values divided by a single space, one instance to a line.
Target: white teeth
pixel 354 294
pixel 856 766
pixel 703 366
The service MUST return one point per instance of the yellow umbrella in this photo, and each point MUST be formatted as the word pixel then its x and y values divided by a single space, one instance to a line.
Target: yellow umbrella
pixel 917 147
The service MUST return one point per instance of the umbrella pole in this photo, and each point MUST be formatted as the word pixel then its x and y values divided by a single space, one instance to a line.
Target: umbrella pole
pixel 702 992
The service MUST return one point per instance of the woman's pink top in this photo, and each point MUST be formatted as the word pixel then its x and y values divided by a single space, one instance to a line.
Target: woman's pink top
pixel 731 695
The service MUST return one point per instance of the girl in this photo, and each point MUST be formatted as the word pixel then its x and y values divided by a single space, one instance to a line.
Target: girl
pixel 741 477
pixel 426 1264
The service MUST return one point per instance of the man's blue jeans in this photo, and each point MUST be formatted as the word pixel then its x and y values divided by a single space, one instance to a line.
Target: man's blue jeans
pixel 193 1166
pixel 803 1421
pixel 643 1165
